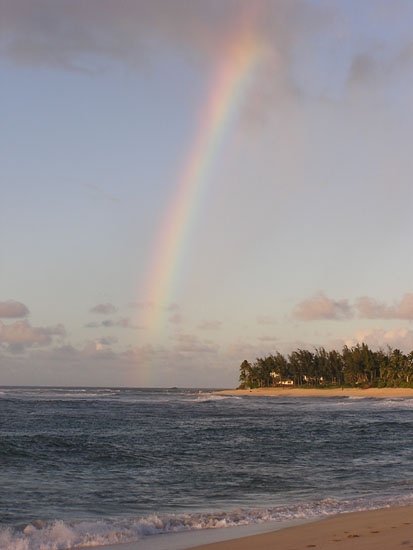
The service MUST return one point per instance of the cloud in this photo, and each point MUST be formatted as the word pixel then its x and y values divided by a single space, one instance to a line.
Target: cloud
pixel 266 320
pixel 191 343
pixel 16 348
pixel 85 37
pixel 378 337
pixel 372 309
pixel 21 333
pixel 107 340
pixel 209 325
pixel 89 36
pixel 321 307
pixel 123 322
pixel 96 364
pixel 176 319
pixel 104 309
pixel 97 350
pixel 92 349
pixel 376 65
pixel 13 310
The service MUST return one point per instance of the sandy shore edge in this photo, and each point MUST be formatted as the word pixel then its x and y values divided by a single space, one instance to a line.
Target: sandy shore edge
pixel 384 529
pixel 345 392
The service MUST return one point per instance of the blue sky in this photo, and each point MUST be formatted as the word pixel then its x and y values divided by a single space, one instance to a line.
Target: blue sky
pixel 303 234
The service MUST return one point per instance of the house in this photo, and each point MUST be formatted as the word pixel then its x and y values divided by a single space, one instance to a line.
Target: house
pixel 279 381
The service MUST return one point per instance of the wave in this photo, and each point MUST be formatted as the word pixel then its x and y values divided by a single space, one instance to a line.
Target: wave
pixel 204 398
pixel 357 398
pixel 380 402
pixel 60 535
pixel 398 403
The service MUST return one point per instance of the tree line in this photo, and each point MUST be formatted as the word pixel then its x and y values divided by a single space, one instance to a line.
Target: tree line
pixel 354 366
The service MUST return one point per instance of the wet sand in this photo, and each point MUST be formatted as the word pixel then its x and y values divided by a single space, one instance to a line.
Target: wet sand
pixel 385 529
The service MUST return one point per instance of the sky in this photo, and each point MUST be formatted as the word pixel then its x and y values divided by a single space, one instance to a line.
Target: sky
pixel 188 184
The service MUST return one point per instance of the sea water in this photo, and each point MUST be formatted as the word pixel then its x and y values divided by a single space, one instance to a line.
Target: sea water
pixel 89 466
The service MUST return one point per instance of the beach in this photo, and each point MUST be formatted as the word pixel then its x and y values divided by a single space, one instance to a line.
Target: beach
pixel 384 529
pixel 336 392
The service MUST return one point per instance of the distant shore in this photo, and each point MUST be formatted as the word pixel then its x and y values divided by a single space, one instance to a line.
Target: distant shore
pixel 336 392
pixel 384 529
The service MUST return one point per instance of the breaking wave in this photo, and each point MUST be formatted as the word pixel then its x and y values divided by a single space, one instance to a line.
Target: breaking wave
pixel 59 535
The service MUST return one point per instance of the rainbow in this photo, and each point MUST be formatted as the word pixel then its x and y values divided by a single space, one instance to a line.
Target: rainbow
pixel 226 92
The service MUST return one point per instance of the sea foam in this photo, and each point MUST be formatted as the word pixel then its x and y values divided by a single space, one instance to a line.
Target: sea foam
pixel 59 535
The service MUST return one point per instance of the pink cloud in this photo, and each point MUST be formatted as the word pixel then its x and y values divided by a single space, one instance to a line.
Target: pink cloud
pixel 22 333
pixel 321 307
pixel 13 310
pixel 372 309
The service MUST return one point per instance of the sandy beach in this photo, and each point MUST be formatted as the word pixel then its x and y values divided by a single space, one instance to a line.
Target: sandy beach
pixel 339 392
pixel 385 529
pixel 382 529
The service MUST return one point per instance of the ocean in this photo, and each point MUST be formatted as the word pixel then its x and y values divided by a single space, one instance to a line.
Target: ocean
pixel 95 466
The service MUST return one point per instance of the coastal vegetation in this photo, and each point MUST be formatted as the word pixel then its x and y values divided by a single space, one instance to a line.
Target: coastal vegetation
pixel 356 366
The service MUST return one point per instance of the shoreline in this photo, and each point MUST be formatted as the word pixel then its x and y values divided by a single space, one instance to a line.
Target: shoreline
pixel 382 529
pixel 339 392
pixel 379 529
